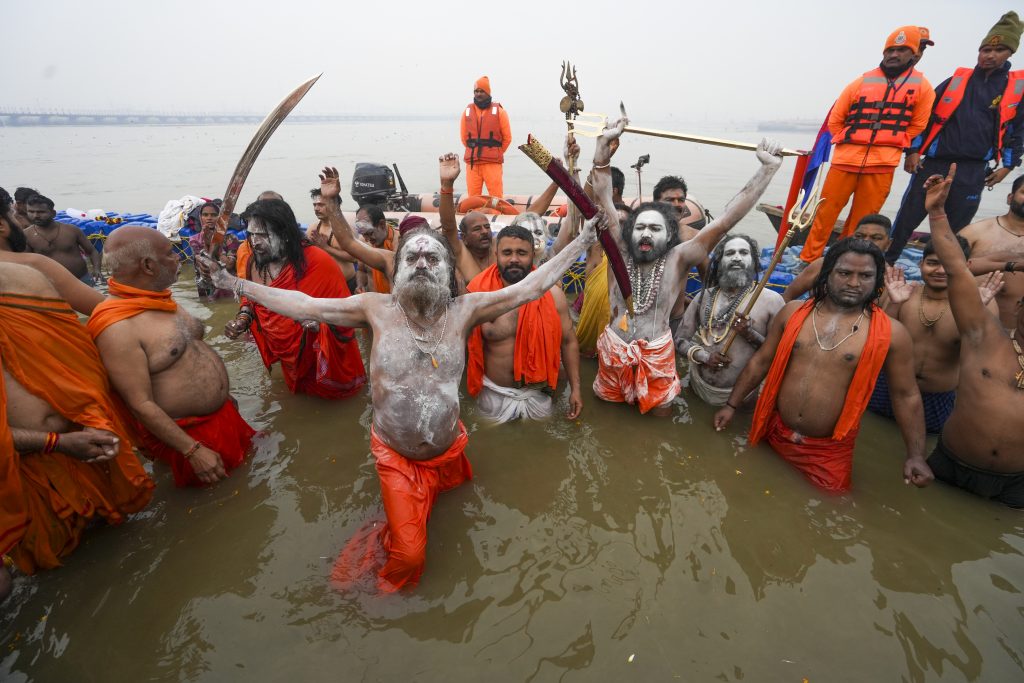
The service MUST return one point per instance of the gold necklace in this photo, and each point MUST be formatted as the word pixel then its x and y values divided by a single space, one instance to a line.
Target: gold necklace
pixel 925 320
pixel 1000 224
pixel 716 339
pixel 1020 359
pixel 814 324
pixel 416 340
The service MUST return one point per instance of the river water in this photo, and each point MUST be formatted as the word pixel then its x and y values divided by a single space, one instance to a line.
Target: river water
pixel 616 547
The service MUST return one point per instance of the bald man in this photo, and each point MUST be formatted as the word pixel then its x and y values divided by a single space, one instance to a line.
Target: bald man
pixel 174 383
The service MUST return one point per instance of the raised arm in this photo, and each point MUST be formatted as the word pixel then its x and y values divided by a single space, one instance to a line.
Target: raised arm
pixel 348 312
pixel 449 167
pixel 567 229
pixel 964 299
pixel 487 306
pixel 769 153
pixel 330 187
pixel 601 174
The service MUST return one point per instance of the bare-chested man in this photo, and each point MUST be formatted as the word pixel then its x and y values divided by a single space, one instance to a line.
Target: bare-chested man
pixel 65 244
pixel 636 354
pixel 1003 234
pixel 981 448
pixel 64 453
pixel 475 250
pixel 873 228
pixel 319 235
pixel 924 311
pixel 732 278
pixel 174 383
pixel 416 363
pixel 820 375
pixel 513 362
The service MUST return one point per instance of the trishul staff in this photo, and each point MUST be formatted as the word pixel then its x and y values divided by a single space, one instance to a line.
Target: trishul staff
pixel 571 105
pixel 801 217
pixel 259 140
pixel 553 167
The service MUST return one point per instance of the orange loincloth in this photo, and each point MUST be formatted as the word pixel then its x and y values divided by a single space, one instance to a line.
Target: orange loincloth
pixel 872 358
pixel 46 350
pixel 396 551
pixel 381 283
pixel 223 431
pixel 130 302
pixel 538 345
pixel 324 362
pixel 827 463
pixel 641 372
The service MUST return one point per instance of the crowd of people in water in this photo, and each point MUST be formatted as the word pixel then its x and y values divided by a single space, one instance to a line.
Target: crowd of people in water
pixel 80 402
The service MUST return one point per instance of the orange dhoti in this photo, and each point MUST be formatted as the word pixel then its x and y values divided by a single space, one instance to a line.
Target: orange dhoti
pixel 223 431
pixel 641 372
pixel 397 550
pixel 827 463
pixel 47 500
pixel 478 173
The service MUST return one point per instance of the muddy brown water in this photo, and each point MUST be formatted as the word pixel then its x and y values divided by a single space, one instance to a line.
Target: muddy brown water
pixel 617 547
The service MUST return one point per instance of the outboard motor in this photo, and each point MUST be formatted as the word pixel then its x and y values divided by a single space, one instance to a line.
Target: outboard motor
pixel 372 184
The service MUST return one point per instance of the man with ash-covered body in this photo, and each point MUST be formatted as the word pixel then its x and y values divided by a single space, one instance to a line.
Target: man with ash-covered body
pixel 417 437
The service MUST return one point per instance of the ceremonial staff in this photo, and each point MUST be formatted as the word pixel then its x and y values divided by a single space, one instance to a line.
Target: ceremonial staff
pixel 801 216
pixel 571 105
pixel 259 140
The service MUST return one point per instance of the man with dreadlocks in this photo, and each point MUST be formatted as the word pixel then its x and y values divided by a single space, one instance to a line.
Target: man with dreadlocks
pixel 320 360
pixel 417 358
pixel 732 278
pixel 636 353
pixel 820 376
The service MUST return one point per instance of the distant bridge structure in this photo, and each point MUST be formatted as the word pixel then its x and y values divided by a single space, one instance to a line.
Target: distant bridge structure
pixel 62 117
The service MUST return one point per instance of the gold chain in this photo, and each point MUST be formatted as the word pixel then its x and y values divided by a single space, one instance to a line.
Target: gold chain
pixel 925 320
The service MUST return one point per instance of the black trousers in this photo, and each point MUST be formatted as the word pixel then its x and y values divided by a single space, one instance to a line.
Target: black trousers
pixel 961 204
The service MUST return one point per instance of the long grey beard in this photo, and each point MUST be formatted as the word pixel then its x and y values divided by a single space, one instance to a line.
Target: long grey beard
pixel 426 297
pixel 735 279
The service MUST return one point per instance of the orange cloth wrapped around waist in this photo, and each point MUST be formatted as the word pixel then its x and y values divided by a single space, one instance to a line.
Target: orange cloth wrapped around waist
pixel 224 431
pixel 396 550
pixel 641 372
pixel 324 362
pixel 48 352
pixel 538 345
pixel 827 463
pixel 872 358
pixel 130 302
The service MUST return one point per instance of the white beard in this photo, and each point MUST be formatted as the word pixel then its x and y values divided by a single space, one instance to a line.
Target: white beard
pixel 426 296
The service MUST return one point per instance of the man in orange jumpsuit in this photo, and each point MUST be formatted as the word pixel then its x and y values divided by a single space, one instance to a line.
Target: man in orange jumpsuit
pixel 486 134
pixel 872 122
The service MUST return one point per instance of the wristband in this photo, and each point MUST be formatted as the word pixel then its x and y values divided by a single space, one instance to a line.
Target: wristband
pixel 731 405
pixel 1010 265
pixel 192 451
pixel 936 217
pixel 597 166
pixel 449 191
pixel 693 352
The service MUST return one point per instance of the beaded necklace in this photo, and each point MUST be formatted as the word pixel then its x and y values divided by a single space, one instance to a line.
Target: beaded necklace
pixel 645 289
pixel 709 320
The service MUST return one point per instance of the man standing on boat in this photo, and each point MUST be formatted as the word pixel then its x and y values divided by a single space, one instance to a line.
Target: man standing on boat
pixel 636 353
pixel 872 122
pixel 732 278
pixel 416 364
pixel 486 134
pixel 981 448
pixel 977 124
pixel 66 244
pixel 818 378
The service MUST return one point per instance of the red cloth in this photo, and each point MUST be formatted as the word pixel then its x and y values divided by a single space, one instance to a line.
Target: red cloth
pixel 130 302
pixel 324 362
pixel 47 500
pixel 538 346
pixel 641 372
pixel 872 358
pixel 827 463
pixel 223 431
pixel 397 551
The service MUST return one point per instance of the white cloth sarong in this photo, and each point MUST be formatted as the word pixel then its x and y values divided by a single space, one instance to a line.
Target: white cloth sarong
pixel 713 396
pixel 503 404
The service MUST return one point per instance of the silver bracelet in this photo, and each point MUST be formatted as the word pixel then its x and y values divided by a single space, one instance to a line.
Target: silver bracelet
pixel 693 352
pixel 238 287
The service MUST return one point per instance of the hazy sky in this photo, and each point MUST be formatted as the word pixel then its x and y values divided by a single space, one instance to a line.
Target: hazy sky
pixel 720 61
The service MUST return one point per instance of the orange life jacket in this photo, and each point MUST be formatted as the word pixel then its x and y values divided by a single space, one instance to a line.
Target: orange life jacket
pixel 483 134
pixel 883 110
pixel 954 95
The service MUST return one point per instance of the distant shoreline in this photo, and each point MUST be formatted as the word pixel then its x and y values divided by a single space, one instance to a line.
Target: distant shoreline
pixel 27 119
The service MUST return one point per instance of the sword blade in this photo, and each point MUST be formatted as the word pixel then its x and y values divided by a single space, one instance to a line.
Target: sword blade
pixel 245 164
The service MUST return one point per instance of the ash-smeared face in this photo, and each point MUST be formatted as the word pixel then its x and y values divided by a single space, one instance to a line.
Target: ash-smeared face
pixel 267 246
pixel 538 227
pixel 737 267
pixel 650 236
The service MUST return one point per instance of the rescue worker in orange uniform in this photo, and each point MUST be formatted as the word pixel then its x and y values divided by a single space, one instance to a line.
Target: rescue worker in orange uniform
pixel 965 130
pixel 486 135
pixel 874 119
